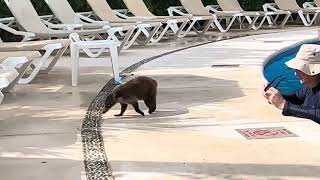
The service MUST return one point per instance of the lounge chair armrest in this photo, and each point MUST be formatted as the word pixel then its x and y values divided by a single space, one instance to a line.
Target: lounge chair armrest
pixel 91 20
pixel 122 11
pixel 47 17
pixel 122 15
pixel 87 14
pixel 177 10
pixel 7 21
pixel 308 5
pixel 138 18
pixel 213 8
pixel 62 26
pixel 270 6
pixel 26 35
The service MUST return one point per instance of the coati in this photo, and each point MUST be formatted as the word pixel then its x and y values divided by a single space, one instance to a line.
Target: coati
pixel 140 88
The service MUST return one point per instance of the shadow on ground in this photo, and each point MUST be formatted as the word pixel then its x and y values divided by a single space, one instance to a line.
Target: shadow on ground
pixel 176 94
pixel 205 170
pixel 41 168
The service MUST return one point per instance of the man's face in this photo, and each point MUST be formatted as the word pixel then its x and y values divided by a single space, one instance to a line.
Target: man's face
pixel 308 80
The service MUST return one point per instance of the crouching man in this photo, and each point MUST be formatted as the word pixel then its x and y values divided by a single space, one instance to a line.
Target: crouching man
pixel 305 103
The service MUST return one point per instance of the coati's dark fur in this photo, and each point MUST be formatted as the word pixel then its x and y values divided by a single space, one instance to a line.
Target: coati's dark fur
pixel 140 88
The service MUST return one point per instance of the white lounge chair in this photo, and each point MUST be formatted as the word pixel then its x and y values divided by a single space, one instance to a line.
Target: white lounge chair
pixel 104 12
pixel 294 8
pixel 12 67
pixel 269 17
pixel 27 17
pixel 124 34
pixel 312 5
pixel 196 8
pixel 42 64
pixel 176 24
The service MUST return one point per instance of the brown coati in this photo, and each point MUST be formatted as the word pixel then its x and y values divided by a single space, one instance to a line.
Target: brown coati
pixel 140 88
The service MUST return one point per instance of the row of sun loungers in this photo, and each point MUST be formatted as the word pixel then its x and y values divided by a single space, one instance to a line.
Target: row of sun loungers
pixel 92 32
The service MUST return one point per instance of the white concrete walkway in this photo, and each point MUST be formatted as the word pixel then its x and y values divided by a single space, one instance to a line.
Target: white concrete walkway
pixel 192 135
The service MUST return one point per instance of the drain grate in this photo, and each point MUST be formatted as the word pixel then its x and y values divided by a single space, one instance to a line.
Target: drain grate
pixel 266 133
pixel 272 41
pixel 225 65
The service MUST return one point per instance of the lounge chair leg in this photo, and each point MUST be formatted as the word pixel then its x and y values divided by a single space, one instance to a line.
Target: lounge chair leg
pixel 191 26
pixel 164 30
pixel 113 37
pixel 33 73
pixel 149 35
pixel 21 70
pixel 58 55
pixel 127 35
pixel 1 96
pixel 208 23
pixel 132 40
pixel 74 63
pixel 285 19
pixel 253 21
pixel 305 20
pixel 115 66
pixel 206 27
pixel 218 25
pixel 179 32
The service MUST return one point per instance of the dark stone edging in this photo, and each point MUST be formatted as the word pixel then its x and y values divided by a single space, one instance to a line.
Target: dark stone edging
pixel 96 162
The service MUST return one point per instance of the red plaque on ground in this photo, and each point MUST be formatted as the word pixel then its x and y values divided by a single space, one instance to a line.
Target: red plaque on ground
pixel 266 133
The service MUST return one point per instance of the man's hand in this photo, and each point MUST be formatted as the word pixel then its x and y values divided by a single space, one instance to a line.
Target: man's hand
pixel 275 98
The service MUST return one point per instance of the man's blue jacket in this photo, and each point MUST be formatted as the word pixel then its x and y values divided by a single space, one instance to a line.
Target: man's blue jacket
pixel 305 103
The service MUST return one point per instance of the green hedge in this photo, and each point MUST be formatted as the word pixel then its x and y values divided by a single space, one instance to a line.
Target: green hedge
pixel 158 7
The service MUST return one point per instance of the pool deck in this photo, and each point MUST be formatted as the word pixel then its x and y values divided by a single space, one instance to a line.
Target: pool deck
pixel 193 133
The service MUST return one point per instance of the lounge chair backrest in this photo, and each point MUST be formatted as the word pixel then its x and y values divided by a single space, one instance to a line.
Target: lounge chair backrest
pixel 63 11
pixel 103 10
pixel 138 7
pixel 25 14
pixel 317 3
pixel 195 7
pixel 229 5
pixel 287 5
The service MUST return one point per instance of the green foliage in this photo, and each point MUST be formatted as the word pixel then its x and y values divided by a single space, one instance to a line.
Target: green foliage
pixel 158 7
pixel 4 11
pixel 116 4
pixel 41 7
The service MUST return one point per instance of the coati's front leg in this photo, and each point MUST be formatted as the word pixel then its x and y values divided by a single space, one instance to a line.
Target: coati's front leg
pixel 136 108
pixel 123 109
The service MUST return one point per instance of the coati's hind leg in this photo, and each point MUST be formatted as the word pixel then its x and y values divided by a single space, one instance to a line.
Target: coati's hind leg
pixel 151 103
pixel 123 109
pixel 136 108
